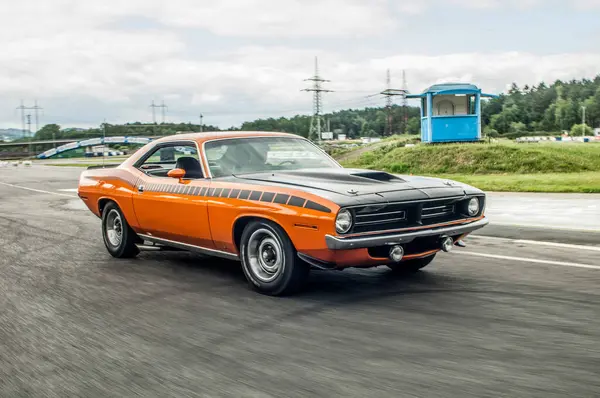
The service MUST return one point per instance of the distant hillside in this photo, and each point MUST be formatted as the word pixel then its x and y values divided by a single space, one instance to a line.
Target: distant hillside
pixel 11 134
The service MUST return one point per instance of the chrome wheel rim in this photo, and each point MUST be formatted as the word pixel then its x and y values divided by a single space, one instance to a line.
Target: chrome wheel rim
pixel 265 255
pixel 114 228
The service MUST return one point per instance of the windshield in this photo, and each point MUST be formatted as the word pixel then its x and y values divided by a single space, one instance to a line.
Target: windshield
pixel 228 157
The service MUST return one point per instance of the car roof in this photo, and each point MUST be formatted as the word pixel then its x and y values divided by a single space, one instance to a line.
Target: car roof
pixel 211 135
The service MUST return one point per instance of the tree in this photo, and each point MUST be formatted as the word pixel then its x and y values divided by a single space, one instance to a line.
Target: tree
pixel 518 127
pixel 413 126
pixel 538 108
pixel 49 132
pixel 592 109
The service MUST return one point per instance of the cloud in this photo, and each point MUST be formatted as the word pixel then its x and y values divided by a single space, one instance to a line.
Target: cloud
pixel 485 4
pixel 284 18
pixel 247 18
pixel 86 61
pixel 587 4
pixel 267 81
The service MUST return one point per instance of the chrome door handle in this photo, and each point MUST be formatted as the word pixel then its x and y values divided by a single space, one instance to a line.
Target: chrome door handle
pixel 141 188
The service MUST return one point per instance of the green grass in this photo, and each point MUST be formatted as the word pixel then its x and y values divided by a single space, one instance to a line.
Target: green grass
pixel 544 167
pixel 588 182
pixel 483 159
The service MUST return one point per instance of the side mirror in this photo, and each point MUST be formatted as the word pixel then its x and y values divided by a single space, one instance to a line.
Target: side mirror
pixel 176 173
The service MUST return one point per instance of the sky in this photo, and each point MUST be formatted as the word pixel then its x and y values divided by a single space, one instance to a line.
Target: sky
pixel 87 62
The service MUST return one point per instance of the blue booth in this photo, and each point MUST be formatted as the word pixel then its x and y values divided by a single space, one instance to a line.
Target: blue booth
pixel 451 112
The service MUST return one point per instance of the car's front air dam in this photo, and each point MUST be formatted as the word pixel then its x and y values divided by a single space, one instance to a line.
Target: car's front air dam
pixel 362 242
pixel 355 258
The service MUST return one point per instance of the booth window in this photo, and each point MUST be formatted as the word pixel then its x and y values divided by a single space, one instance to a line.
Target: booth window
pixel 471 104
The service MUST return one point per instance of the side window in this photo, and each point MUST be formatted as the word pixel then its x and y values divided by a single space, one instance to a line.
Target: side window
pixel 167 158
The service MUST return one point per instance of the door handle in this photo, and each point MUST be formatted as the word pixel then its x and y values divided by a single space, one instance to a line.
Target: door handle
pixel 141 188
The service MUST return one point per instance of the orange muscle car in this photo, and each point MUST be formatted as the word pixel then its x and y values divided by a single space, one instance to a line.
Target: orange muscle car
pixel 279 204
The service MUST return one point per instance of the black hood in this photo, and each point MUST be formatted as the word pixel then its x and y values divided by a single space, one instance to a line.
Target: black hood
pixel 354 186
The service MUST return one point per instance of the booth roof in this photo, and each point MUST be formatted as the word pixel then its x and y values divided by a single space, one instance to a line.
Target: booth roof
pixel 451 88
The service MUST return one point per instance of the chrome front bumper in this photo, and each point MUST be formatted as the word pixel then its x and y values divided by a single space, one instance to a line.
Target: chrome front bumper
pixel 341 243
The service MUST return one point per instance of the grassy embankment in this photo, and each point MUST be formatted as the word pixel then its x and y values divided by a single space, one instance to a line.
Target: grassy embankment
pixel 551 167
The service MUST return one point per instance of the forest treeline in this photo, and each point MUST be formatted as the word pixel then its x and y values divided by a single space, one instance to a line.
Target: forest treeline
pixel 523 110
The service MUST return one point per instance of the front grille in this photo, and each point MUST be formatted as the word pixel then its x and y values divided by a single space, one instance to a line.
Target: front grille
pixel 386 217
pixel 437 211
pixel 380 217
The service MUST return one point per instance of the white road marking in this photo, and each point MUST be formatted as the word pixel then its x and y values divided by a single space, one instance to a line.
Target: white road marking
pixel 529 260
pixel 69 190
pixel 535 242
pixel 541 226
pixel 37 190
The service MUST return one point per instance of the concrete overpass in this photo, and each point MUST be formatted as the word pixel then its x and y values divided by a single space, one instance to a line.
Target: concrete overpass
pixel 38 147
pixel 131 140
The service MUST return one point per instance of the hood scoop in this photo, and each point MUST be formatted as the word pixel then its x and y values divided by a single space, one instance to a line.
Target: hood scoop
pixel 378 176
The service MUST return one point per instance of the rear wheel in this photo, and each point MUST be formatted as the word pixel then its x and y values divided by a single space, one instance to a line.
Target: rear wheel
pixel 411 266
pixel 119 238
pixel 269 259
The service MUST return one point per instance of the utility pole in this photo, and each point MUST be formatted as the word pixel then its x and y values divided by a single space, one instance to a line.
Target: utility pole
pixel 22 109
pixel 389 93
pixel 104 139
pixel 201 117
pixel 26 119
pixel 29 132
pixel 583 115
pixel 404 102
pixel 37 108
pixel 153 106
pixel 388 105
pixel 316 89
pixel 163 107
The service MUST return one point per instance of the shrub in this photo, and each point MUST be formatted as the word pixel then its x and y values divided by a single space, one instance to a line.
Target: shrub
pixel 579 130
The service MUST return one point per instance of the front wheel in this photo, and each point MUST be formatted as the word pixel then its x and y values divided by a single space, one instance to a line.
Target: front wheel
pixel 119 238
pixel 411 266
pixel 269 259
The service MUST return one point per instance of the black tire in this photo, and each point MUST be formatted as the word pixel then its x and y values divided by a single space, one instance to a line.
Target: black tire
pixel 411 266
pixel 124 247
pixel 270 261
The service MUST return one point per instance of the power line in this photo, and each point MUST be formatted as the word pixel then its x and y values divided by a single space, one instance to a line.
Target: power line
pixel 316 89
pixel 341 102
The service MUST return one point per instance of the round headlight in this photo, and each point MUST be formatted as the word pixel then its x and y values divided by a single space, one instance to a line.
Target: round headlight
pixel 343 222
pixel 473 207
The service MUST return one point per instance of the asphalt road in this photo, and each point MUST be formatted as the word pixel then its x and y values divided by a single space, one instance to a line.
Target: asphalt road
pixel 498 318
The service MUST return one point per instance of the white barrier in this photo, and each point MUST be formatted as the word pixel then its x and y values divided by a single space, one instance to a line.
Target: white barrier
pixel 556 139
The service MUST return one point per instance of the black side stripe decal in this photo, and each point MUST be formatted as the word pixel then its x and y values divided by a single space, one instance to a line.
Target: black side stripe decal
pixel 242 194
pixel 315 206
